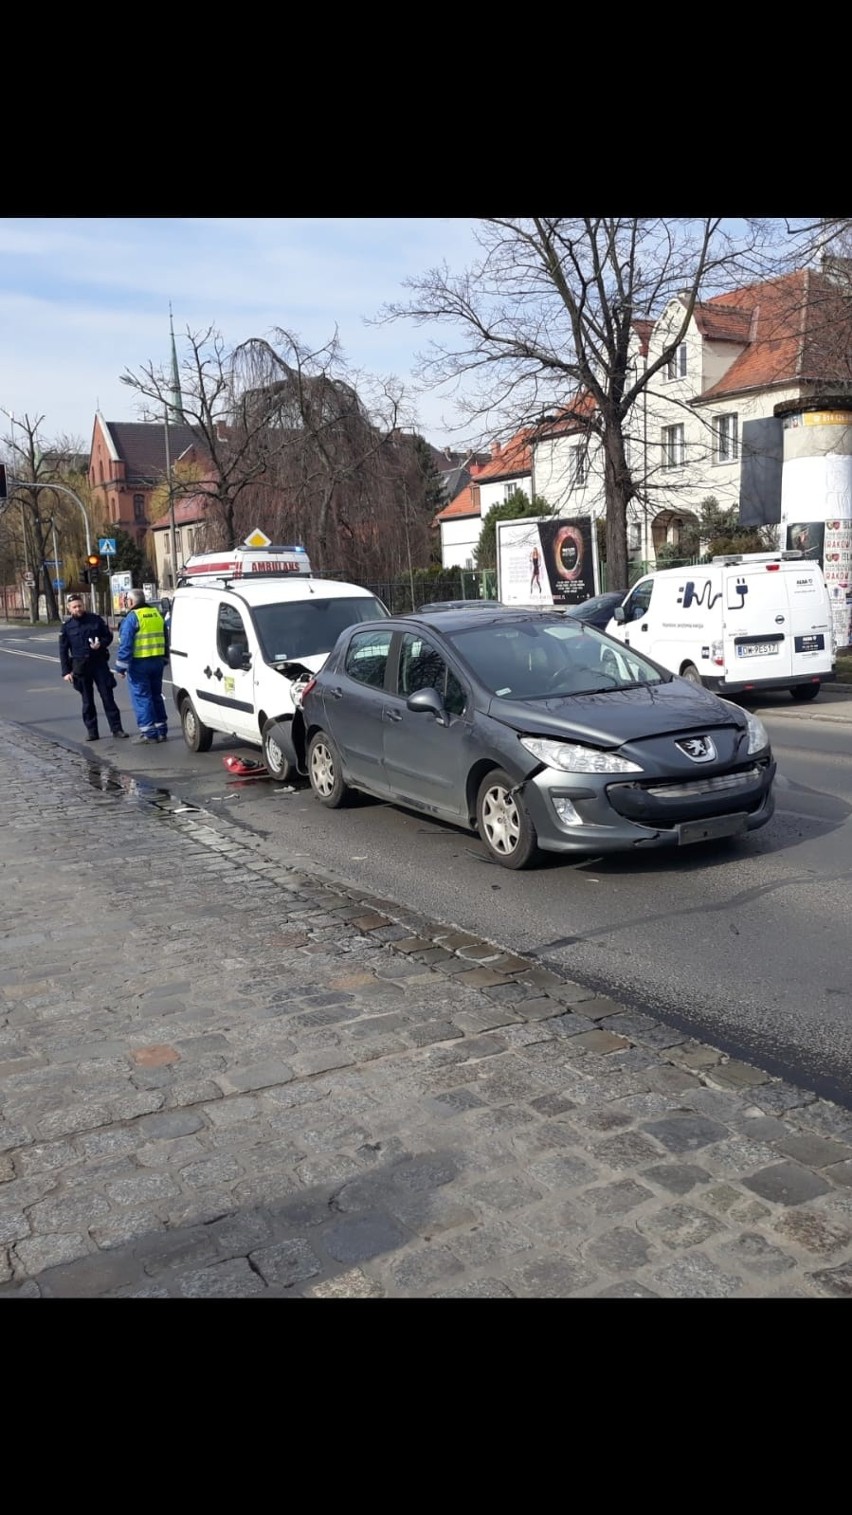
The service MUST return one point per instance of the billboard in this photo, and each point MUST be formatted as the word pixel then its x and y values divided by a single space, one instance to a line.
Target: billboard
pixel 546 560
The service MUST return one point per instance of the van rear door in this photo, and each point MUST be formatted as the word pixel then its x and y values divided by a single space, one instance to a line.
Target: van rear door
pixel 810 619
pixel 758 630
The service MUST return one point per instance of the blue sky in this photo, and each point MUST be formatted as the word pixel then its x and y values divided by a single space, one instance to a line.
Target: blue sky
pixel 82 301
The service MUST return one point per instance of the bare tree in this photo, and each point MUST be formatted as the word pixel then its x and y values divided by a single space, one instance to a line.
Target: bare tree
pixel 291 443
pixel 38 518
pixel 546 322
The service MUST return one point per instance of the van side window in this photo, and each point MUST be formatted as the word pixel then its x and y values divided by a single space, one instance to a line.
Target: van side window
pixel 230 631
pixel 422 667
pixel 637 602
pixel 367 657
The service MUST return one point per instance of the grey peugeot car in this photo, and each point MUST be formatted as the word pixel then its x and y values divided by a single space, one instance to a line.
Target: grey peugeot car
pixel 535 730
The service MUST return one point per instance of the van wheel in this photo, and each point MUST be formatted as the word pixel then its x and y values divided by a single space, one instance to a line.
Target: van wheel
pixel 802 692
pixel 278 766
pixel 691 673
pixel 503 822
pixel 325 772
pixel 197 736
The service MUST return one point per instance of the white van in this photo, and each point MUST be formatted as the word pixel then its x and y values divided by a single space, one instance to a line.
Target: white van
pixel 248 628
pixel 753 621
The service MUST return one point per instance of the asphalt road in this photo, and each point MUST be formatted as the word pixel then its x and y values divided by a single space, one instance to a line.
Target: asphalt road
pixel 746 945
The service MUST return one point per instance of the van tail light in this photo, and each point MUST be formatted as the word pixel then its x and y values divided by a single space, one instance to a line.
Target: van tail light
pixel 717 654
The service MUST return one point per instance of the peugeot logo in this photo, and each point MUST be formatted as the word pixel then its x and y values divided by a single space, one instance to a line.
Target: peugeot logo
pixel 699 748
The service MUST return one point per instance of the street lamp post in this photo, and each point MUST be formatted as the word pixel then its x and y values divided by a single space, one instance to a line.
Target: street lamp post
pixel 63 489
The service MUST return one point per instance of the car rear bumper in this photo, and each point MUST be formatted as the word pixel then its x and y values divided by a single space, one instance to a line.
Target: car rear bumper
pixel 757 686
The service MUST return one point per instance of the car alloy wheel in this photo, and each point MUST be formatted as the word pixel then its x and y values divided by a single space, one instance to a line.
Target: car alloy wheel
pixel 325 772
pixel 503 822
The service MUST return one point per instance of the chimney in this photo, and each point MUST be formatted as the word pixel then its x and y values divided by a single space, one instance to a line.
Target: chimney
pixel 495 450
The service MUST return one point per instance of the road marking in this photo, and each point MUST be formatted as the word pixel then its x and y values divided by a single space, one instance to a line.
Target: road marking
pixel 42 657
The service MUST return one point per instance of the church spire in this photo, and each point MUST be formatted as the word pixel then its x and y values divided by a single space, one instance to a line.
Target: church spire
pixel 176 414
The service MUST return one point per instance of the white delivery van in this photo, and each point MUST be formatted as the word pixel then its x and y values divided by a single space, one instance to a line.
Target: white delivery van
pixel 248 629
pixel 753 621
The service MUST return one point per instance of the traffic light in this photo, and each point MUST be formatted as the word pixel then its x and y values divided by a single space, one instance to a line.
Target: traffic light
pixel 91 573
pixel 93 560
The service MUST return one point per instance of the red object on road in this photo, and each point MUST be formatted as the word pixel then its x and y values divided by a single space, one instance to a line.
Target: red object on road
pixel 245 767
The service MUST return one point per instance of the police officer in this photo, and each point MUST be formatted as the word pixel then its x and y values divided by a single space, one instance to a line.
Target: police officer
pixel 84 660
pixel 143 650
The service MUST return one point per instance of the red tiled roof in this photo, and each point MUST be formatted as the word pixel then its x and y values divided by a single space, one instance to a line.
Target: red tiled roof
pixel 799 329
pixel 187 513
pixel 643 328
pixel 466 503
pixel 513 458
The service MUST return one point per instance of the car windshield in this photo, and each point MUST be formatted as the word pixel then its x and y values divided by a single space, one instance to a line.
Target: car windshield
pixel 294 629
pixel 536 659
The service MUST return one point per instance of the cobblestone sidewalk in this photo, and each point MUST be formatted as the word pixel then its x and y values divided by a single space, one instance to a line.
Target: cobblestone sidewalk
pixel 222 1076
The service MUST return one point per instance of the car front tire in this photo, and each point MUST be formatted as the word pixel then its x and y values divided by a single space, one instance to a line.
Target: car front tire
pixel 503 822
pixel 197 736
pixel 278 766
pixel 325 772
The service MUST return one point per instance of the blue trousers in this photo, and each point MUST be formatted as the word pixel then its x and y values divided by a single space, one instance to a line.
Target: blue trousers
pixel 145 682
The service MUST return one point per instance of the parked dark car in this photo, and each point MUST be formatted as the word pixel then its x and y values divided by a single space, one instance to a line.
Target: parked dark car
pixel 597 611
pixel 536 731
pixel 453 605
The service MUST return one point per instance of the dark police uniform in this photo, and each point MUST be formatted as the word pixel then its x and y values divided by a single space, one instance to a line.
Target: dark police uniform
pixel 90 668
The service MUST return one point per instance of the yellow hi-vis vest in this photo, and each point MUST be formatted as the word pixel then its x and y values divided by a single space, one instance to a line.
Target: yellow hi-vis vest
pixel 150 638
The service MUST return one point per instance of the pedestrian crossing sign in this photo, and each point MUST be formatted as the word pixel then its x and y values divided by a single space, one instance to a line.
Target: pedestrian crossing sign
pixel 106 547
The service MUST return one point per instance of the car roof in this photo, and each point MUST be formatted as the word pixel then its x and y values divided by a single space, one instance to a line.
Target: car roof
pixel 272 590
pixel 455 620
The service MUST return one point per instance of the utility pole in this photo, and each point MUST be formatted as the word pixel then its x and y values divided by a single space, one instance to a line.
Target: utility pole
pixel 172 532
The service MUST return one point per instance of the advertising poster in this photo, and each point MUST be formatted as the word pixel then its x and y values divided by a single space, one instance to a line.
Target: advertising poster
pixel 119 584
pixel 808 538
pixel 546 561
pixel 837 572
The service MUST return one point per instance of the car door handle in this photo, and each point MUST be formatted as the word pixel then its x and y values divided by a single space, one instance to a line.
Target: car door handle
pixel 391 715
pixel 336 692
pixel 644 626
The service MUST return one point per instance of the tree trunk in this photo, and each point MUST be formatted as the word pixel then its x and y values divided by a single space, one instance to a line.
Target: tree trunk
pixel 619 491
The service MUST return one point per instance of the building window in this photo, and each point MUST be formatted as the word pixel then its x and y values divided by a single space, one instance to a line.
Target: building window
pixel 676 366
pixel 579 466
pixel 178 547
pixel 139 507
pixel 673 446
pixel 725 439
pixel 508 491
pixel 634 536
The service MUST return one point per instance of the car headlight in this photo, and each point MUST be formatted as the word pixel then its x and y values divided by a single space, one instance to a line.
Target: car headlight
pixel 573 757
pixel 758 737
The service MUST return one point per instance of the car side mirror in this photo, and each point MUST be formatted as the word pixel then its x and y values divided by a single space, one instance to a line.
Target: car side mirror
pixel 237 657
pixel 165 606
pixel 619 615
pixel 428 701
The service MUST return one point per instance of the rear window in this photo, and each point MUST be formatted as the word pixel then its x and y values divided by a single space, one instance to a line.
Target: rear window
pixel 306 627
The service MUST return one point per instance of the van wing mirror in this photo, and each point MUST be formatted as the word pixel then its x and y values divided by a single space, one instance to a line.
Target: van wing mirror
pixel 619 615
pixel 237 656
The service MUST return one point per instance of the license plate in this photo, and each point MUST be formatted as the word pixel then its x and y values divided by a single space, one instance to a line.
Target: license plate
pixel 757 649
pixel 709 830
